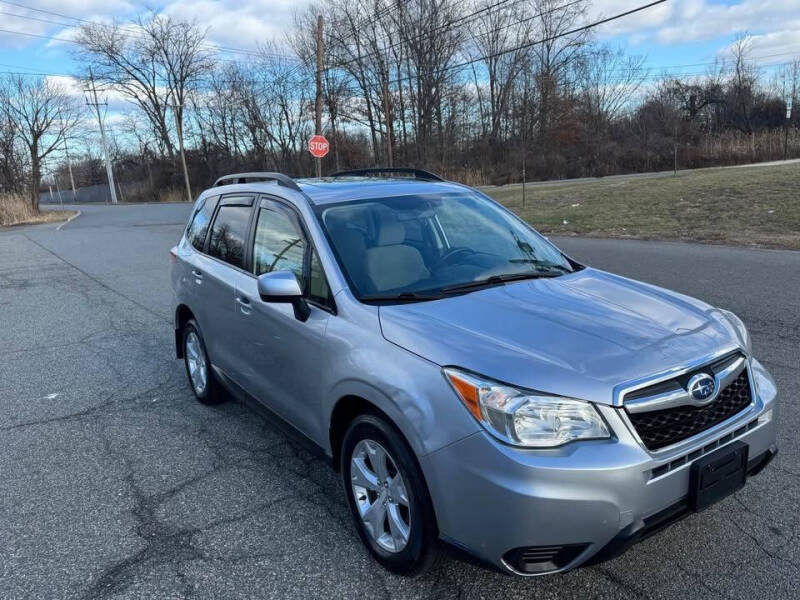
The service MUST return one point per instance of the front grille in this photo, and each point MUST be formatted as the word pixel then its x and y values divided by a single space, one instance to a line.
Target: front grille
pixel 661 428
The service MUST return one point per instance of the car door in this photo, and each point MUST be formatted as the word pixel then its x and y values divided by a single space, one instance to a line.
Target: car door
pixel 187 276
pixel 283 355
pixel 224 261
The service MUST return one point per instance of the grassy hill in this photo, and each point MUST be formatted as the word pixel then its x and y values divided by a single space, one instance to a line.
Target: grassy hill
pixel 749 206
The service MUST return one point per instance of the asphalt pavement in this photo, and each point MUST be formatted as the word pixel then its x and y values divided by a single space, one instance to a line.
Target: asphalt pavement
pixel 115 483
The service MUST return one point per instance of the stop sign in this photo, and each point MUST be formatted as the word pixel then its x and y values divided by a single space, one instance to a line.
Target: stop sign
pixel 318 146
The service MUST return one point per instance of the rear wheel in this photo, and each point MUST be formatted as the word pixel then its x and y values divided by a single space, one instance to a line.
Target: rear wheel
pixel 387 496
pixel 198 367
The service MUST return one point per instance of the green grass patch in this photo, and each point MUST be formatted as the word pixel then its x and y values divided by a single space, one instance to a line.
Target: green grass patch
pixel 750 206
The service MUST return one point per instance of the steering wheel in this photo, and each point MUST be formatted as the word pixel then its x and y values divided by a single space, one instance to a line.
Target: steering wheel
pixel 448 256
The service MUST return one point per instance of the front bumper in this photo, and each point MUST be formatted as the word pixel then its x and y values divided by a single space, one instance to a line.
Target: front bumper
pixel 586 501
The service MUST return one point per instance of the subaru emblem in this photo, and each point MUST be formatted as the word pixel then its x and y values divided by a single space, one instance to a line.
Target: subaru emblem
pixel 701 388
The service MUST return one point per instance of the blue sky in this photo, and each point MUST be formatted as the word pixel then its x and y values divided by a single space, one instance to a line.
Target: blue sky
pixel 678 32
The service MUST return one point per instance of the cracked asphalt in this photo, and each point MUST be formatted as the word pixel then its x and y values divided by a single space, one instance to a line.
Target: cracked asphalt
pixel 115 483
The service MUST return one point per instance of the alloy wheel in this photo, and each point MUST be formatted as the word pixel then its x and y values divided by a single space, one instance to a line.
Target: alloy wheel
pixel 380 495
pixel 196 361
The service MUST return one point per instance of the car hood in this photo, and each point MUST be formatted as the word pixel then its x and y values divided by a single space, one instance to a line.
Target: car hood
pixel 578 335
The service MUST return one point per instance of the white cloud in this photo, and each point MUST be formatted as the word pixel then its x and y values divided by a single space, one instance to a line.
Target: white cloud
pixel 239 24
pixel 232 23
pixel 775 47
pixel 75 88
pixel 684 21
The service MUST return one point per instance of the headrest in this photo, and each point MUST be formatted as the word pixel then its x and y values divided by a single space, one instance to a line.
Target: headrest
pixel 390 230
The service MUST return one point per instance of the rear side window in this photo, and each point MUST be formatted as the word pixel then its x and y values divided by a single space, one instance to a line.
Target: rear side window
pixel 198 228
pixel 228 234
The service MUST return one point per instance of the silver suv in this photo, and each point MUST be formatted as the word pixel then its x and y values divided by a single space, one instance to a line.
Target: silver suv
pixel 471 382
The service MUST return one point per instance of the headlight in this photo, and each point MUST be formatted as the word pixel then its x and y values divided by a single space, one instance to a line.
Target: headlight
pixel 526 418
pixel 744 335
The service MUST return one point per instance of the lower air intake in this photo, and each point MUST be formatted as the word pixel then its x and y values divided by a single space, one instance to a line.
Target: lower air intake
pixel 542 559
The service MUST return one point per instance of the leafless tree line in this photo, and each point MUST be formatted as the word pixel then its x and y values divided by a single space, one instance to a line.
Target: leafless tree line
pixel 478 90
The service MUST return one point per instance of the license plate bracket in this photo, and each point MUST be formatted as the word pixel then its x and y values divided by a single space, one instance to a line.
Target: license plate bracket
pixel 717 475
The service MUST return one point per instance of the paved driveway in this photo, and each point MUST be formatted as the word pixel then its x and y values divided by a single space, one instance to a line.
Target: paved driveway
pixel 115 483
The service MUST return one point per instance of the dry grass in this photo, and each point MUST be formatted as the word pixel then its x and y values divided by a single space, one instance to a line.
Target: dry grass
pixel 754 206
pixel 17 210
pixel 172 195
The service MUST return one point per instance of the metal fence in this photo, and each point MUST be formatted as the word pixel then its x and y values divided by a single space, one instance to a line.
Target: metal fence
pixel 85 195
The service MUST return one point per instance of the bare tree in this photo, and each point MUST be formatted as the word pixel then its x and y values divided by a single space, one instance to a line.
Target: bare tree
pixel 492 35
pixel 743 85
pixel 155 63
pixel 556 54
pixel 11 158
pixel 608 80
pixel 41 114
pixel 464 87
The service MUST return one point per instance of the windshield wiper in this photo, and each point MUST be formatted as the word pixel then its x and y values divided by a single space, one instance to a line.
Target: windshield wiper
pixel 402 297
pixel 499 279
pixel 540 263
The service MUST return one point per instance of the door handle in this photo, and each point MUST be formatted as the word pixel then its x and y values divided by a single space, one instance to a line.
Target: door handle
pixel 197 274
pixel 244 304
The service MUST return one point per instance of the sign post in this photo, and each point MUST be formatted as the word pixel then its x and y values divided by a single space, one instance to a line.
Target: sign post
pixel 786 129
pixel 318 102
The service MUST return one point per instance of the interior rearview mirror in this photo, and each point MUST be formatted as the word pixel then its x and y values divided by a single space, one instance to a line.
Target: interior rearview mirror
pixel 282 286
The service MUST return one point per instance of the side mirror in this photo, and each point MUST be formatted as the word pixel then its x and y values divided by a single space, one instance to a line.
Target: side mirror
pixel 282 286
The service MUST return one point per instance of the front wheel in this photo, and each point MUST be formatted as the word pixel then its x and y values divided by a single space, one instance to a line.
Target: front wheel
pixel 387 496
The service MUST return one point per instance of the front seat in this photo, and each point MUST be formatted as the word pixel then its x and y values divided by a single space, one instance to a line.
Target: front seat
pixel 390 263
pixel 350 245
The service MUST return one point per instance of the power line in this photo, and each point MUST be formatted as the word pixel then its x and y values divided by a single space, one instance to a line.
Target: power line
pixel 544 40
pixel 128 30
pixel 383 12
pixel 36 35
pixel 450 24
pixel 656 71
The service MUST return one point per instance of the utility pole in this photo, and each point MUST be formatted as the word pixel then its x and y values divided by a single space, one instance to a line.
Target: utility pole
pixel 786 126
pixel 96 105
pixel 69 167
pixel 179 128
pixel 524 148
pixel 388 113
pixel 318 103
pixel 58 189
pixel 69 163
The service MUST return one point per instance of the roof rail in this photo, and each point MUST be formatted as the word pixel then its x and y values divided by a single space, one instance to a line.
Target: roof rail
pixel 279 178
pixel 375 172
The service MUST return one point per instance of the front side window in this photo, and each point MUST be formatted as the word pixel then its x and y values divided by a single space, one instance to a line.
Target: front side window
pixel 279 245
pixel 198 228
pixel 318 289
pixel 228 234
pixel 434 244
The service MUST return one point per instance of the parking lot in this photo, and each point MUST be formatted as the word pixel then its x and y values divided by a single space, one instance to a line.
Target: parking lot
pixel 116 483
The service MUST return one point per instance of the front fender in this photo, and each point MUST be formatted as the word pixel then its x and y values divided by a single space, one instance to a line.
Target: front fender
pixel 413 393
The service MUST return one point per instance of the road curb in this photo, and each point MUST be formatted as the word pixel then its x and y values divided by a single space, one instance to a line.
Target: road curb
pixel 72 218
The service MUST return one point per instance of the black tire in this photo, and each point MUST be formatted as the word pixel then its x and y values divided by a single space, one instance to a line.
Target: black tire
pixel 212 393
pixel 421 550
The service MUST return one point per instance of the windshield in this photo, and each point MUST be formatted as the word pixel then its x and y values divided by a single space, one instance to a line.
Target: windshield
pixel 432 244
